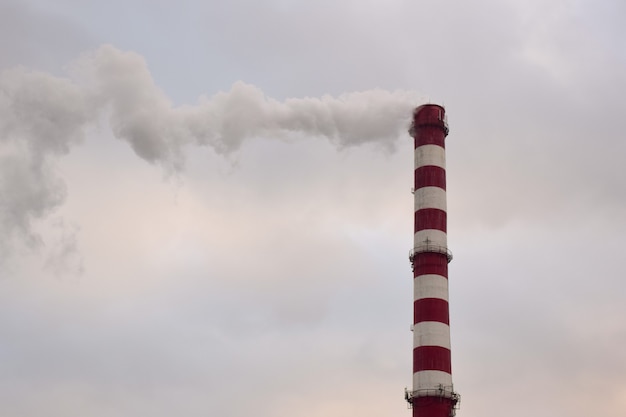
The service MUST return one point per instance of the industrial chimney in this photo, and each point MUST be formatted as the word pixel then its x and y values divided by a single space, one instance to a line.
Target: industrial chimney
pixel 432 394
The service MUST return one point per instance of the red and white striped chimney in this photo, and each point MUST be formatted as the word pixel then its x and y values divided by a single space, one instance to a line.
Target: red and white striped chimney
pixel 432 394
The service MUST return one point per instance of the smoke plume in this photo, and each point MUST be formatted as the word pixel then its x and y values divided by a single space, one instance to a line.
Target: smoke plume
pixel 42 117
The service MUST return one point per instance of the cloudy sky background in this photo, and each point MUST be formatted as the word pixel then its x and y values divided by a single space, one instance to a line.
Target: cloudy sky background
pixel 153 267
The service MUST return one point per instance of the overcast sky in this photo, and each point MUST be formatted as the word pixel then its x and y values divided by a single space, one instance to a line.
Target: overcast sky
pixel 205 207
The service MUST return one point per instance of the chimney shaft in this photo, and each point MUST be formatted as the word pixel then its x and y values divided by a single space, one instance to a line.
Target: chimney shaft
pixel 432 394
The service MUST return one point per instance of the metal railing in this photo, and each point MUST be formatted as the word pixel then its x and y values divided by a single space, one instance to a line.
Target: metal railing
pixel 428 247
pixel 430 121
pixel 441 392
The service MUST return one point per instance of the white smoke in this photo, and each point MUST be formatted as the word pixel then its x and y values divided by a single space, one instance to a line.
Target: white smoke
pixel 43 116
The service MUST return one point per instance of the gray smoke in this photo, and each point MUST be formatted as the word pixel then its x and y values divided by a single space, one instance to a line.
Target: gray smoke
pixel 43 116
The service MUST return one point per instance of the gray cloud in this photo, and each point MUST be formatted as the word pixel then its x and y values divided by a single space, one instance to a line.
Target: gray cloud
pixel 35 38
pixel 287 276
